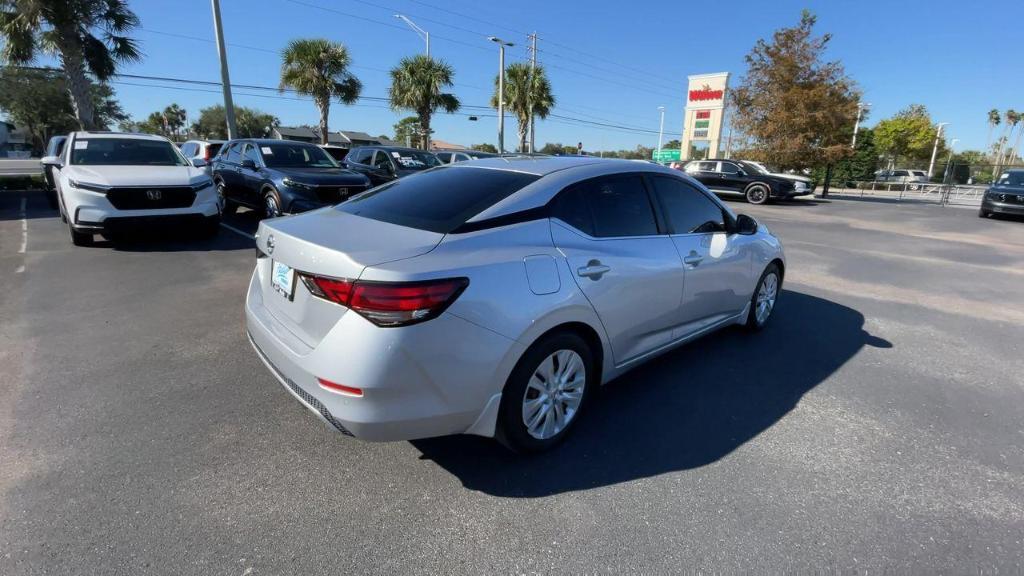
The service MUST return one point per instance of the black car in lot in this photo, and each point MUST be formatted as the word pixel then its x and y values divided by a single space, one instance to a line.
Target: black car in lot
pixel 281 177
pixel 739 178
pixel 1005 196
pixel 385 163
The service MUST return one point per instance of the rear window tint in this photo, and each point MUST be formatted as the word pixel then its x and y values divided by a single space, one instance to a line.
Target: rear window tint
pixel 438 200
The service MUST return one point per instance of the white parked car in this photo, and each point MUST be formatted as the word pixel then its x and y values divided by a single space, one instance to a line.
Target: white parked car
pixel 109 181
pixel 903 176
pixel 202 149
pixel 492 297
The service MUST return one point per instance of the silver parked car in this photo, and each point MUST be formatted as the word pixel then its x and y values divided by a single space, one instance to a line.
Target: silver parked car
pixel 903 176
pixel 493 297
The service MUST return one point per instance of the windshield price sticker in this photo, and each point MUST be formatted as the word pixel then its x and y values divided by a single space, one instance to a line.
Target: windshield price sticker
pixel 81 144
pixel 266 150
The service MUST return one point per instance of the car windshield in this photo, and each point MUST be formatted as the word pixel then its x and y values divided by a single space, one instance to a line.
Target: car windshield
pixel 283 155
pixel 125 152
pixel 440 200
pixel 414 159
pixel 1011 179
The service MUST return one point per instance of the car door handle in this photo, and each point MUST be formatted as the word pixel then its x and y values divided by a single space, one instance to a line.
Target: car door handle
pixel 693 259
pixel 594 269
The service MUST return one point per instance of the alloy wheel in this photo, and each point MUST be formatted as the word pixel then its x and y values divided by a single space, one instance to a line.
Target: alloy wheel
pixel 553 394
pixel 756 195
pixel 766 297
pixel 270 208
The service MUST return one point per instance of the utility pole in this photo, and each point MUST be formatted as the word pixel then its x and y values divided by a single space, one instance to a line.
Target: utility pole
pixel 225 79
pixel 661 130
pixel 533 67
pixel 420 31
pixel 935 148
pixel 501 90
pixel 856 126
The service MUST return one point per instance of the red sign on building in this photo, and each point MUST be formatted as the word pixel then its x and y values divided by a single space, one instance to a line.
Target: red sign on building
pixel 706 93
pixel 703 114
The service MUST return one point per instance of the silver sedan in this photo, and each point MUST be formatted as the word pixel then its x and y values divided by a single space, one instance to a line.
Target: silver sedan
pixel 493 297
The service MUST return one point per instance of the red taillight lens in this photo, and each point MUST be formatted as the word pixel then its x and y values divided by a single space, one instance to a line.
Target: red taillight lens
pixel 389 303
pixel 339 388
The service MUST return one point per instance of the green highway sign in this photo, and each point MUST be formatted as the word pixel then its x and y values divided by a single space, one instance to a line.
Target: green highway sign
pixel 666 155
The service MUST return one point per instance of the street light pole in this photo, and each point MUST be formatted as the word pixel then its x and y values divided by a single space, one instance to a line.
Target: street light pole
pixel 661 127
pixel 501 90
pixel 856 125
pixel 420 31
pixel 225 79
pixel 935 148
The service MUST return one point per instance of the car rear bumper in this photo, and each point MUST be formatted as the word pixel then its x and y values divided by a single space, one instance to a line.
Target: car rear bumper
pixel 430 379
pixel 990 205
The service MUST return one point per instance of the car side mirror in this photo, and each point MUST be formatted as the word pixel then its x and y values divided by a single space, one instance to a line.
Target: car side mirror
pixel 50 161
pixel 745 225
pixel 200 162
pixel 248 164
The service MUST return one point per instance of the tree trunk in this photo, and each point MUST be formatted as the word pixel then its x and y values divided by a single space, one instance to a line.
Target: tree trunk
pixel 79 86
pixel 828 181
pixel 524 126
pixel 425 128
pixel 1015 149
pixel 325 110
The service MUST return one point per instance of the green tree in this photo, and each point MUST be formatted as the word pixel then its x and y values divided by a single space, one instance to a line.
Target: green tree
pixel 861 165
pixel 527 92
pixel 485 147
pixel 552 148
pixel 38 100
pixel 797 109
pixel 251 123
pixel 174 119
pixel 407 130
pixel 672 145
pixel 908 136
pixel 86 36
pixel 319 68
pixel 416 84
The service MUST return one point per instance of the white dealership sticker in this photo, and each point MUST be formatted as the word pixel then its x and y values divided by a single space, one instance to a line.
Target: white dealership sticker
pixel 81 144
pixel 266 150
pixel 396 154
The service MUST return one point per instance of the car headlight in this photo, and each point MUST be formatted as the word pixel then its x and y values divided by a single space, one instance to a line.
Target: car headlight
pixel 297 185
pixel 87 186
pixel 800 185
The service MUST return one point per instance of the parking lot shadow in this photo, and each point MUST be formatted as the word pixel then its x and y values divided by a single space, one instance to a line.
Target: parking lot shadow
pixel 175 241
pixel 684 410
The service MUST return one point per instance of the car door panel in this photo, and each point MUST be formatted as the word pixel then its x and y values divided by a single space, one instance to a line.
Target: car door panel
pixel 628 270
pixel 716 263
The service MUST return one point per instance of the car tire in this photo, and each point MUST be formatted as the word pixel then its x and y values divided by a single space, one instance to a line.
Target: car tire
pixel 270 202
pixel 80 238
pixel 546 383
pixel 983 214
pixel 757 194
pixel 227 207
pixel 766 294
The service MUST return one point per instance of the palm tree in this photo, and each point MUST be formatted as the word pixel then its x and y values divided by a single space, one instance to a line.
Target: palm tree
pixel 993 121
pixel 416 84
pixel 1012 119
pixel 174 118
pixel 318 68
pixel 527 93
pixel 87 36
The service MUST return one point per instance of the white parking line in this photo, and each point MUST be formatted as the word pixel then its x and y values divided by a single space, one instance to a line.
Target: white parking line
pixel 24 226
pixel 237 231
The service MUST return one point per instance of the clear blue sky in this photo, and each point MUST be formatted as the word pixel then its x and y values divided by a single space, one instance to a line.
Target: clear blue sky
pixel 611 62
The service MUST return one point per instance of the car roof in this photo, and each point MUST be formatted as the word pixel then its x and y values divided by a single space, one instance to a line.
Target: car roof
pixel 555 173
pixel 262 141
pixel 134 135
pixel 395 148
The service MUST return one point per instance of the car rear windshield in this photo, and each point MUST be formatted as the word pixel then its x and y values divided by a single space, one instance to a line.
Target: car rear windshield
pixel 414 160
pixel 125 152
pixel 295 156
pixel 439 200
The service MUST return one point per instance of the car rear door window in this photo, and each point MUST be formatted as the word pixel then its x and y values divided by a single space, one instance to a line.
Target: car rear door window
pixel 234 154
pixel 381 161
pixel 608 207
pixel 729 168
pixel 687 210
pixel 251 154
pixel 439 200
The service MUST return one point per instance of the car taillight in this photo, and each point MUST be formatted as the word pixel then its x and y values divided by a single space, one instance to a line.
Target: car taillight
pixel 389 303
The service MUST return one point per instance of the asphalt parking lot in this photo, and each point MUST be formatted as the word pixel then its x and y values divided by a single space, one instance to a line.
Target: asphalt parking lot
pixel 875 425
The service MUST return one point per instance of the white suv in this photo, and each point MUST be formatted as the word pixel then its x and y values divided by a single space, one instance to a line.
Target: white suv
pixel 108 182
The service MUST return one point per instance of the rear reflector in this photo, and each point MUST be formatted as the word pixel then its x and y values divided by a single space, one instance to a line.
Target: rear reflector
pixel 389 303
pixel 339 388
